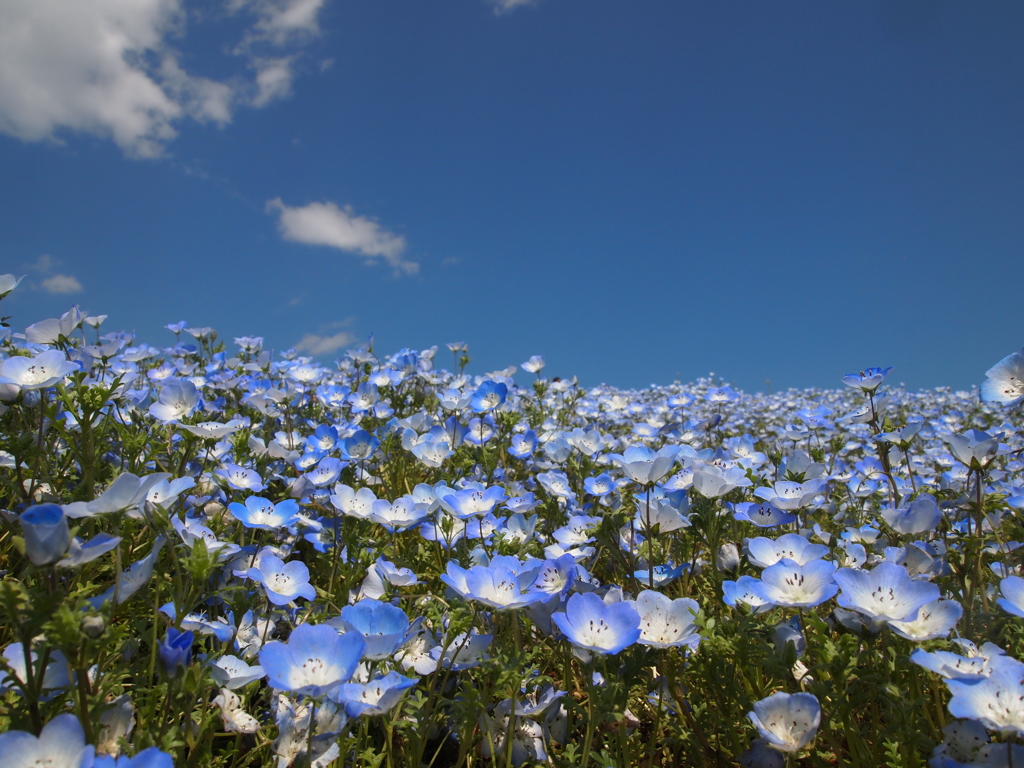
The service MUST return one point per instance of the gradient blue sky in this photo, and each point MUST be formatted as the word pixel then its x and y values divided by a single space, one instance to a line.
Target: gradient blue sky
pixel 639 191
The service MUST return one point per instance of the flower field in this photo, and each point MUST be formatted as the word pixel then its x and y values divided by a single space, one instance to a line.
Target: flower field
pixel 211 555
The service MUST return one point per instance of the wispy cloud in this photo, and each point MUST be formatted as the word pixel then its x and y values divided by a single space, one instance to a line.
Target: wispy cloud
pixel 327 224
pixel 51 281
pixel 507 6
pixel 62 284
pixel 109 68
pixel 325 342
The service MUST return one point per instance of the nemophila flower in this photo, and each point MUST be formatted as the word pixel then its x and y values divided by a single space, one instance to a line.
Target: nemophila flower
pixel 178 399
pixel 518 529
pixel 592 625
pixel 151 757
pixel 358 504
pixel 868 379
pixel 125 494
pixel 788 722
pixel 359 446
pixel 250 634
pixel 479 431
pixel 132 579
pixel 746 590
pixel 903 435
pixel 764 552
pixel 601 485
pixel 294 722
pixel 39 372
pixel 8 283
pixel 720 394
pixel 61 744
pixel 403 513
pixel 283 582
pixel 763 515
pixel 213 430
pixel 920 516
pixel 556 576
pixel 792 585
pixel 432 452
pixel 383 626
pixel 577 531
pixel 974 447
pixel 661 513
pixel 1005 381
pixel 175 650
pixel 234 718
pixel 713 481
pixel 523 444
pixel 645 466
pixel 791 496
pixel 496 585
pixel 376 697
pixel 166 491
pixel 1012 600
pixel 461 652
pixel 556 484
pixel 534 365
pixel 81 552
pixel 934 620
pixel 885 593
pixel 488 396
pixel 473 501
pixel 264 514
pixel 46 534
pixel 327 471
pixel 314 661
pixel 667 623
pixel 976 665
pixel 232 673
pixel 363 398
pixel 527 739
pixel 996 701
pixel 240 478
pixel 55 676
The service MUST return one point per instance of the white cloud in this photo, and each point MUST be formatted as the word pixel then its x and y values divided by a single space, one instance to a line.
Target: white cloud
pixel 62 284
pixel 505 6
pixel 324 345
pixel 107 67
pixel 273 80
pixel 280 21
pixel 327 224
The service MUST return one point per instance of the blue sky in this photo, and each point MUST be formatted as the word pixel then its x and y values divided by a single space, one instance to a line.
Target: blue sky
pixel 776 193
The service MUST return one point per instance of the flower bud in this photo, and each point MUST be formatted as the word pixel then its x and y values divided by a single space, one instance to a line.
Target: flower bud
pixel 728 557
pixel 46 533
pixel 93 626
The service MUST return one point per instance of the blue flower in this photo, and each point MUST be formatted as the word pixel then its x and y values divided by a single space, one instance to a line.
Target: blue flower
pixel 46 533
pixel 176 650
pixel 153 757
pixel 667 623
pixel 497 585
pixel 61 745
pixel 359 446
pixel 384 627
pixel 314 661
pixel 474 501
pixel 283 582
pixel 488 396
pixel 377 697
pixel 263 514
pixel 868 379
pixel 593 626
pixel 523 444
pixel 788 722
